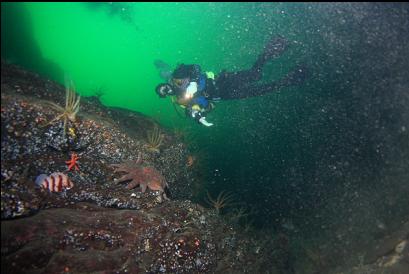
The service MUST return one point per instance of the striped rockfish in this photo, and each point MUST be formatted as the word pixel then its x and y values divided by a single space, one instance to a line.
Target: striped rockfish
pixel 56 182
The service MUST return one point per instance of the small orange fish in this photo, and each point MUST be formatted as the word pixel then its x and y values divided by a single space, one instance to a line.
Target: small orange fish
pixel 56 182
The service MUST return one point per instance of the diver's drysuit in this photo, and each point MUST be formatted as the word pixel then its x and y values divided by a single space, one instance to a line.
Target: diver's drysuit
pixel 196 90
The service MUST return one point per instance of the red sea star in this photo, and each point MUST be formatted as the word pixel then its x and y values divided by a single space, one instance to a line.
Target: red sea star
pixel 73 162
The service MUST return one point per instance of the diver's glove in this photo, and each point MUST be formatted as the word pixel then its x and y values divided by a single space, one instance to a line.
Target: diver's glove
pixel 191 90
pixel 204 122
pixel 197 115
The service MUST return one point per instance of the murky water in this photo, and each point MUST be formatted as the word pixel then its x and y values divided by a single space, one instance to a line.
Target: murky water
pixel 324 161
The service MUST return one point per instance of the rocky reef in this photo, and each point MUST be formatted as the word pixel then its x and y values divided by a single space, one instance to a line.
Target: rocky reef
pixel 100 226
pixel 99 137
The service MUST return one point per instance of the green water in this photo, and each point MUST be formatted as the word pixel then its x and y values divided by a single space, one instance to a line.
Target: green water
pixel 111 48
pixel 305 153
pixel 99 47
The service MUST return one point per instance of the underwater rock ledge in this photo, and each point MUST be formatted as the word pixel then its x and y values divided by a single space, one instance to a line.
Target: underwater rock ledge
pixel 99 225
pixel 35 142
pixel 79 229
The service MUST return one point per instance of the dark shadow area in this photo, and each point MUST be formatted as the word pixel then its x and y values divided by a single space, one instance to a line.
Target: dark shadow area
pixel 123 11
pixel 329 161
pixel 18 44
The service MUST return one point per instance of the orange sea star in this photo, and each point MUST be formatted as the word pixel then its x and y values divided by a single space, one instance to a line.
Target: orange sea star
pixel 143 176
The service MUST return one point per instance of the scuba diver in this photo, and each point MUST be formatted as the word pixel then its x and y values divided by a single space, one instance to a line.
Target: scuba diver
pixel 196 90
